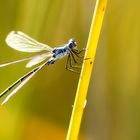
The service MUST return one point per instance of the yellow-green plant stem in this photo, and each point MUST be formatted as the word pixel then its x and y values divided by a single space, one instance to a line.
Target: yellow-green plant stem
pixel 82 89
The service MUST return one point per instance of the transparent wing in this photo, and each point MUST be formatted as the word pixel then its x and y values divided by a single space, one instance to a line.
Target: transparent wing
pixel 22 42
pixel 38 59
pixel 17 88
pixel 16 61
pixel 33 60
pixel 21 81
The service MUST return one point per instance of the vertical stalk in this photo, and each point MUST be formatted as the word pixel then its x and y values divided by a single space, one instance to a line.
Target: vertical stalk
pixel 88 63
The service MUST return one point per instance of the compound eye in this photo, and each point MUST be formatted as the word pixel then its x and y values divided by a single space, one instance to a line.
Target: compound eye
pixel 54 56
pixel 54 51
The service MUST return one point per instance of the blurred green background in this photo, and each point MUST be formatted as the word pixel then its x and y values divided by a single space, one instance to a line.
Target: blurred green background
pixel 41 110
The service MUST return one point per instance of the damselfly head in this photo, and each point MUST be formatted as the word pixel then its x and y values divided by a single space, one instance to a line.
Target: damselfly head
pixel 72 43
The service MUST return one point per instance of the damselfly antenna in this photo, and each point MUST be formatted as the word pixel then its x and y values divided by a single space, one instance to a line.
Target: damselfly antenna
pixel 22 42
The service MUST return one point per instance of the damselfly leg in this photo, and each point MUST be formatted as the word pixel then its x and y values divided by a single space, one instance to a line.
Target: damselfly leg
pixel 69 64
pixel 77 52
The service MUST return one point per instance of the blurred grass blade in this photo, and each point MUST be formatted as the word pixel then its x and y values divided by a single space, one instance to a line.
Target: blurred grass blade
pixel 80 99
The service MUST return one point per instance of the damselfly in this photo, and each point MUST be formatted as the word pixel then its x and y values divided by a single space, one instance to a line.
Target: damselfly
pixel 22 42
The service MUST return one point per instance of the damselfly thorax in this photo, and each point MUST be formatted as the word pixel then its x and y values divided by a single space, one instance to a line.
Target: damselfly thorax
pixel 60 52
pixel 22 42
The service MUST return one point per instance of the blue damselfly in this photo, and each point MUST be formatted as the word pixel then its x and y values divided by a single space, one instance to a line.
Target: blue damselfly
pixel 22 42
